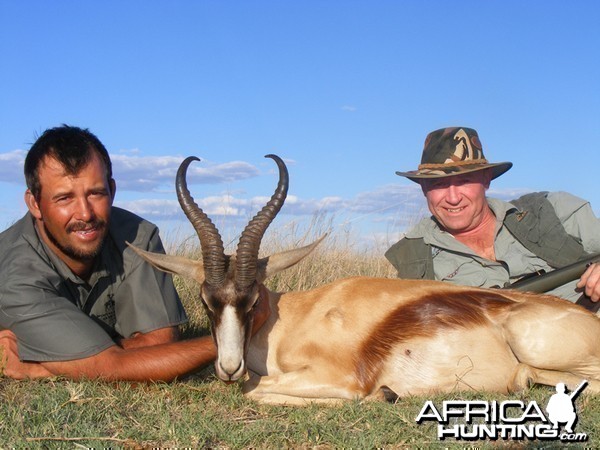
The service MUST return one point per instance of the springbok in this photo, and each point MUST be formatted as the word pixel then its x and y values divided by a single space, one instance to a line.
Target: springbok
pixel 364 337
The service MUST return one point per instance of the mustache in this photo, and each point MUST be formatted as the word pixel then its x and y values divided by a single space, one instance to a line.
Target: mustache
pixel 92 224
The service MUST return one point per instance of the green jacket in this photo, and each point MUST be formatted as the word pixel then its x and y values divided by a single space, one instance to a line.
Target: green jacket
pixel 533 222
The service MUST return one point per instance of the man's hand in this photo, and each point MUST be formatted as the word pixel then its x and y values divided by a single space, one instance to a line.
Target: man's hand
pixel 11 365
pixel 590 282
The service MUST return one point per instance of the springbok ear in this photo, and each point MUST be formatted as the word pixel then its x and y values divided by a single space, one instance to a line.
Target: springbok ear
pixel 273 264
pixel 177 265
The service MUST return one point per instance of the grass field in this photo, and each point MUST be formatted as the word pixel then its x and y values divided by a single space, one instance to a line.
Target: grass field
pixel 201 412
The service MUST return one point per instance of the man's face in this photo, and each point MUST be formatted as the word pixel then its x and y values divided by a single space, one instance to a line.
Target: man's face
pixel 458 202
pixel 73 211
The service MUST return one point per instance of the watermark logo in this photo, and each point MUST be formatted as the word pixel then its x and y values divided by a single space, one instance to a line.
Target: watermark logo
pixel 509 420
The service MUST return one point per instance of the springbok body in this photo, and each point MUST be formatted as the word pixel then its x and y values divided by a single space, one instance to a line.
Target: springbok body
pixel 355 337
pixel 365 337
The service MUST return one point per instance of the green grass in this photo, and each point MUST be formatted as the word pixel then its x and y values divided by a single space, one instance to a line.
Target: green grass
pixel 202 412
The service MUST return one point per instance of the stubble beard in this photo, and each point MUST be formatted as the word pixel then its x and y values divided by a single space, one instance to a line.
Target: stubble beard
pixel 74 252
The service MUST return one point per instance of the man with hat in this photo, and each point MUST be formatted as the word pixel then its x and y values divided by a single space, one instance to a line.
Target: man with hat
pixel 478 241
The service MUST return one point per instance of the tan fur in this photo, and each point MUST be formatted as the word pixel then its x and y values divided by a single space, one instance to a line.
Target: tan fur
pixel 354 337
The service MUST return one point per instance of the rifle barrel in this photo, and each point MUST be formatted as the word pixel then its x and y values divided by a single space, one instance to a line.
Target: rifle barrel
pixel 551 280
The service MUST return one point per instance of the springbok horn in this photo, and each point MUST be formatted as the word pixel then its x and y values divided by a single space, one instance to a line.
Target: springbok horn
pixel 213 252
pixel 249 244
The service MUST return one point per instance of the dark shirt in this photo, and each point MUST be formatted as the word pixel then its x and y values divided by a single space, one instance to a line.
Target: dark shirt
pixel 57 316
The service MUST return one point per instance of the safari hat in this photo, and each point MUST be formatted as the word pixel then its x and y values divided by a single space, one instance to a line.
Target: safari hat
pixel 453 151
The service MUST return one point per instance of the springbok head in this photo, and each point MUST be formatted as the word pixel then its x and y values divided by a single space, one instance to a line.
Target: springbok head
pixel 231 285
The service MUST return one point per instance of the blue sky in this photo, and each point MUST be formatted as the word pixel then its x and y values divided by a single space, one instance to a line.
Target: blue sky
pixel 344 91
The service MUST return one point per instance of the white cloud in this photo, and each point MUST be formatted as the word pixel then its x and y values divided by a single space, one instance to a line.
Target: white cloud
pixel 378 218
pixel 379 204
pixel 11 166
pixel 153 209
pixel 147 173
pixel 387 197
pixel 131 151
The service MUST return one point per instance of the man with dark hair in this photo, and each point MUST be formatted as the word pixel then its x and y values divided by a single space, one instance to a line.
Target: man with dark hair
pixel 478 241
pixel 75 300
pixel 70 146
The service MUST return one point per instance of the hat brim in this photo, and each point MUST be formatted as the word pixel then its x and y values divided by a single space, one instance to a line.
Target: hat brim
pixel 428 174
